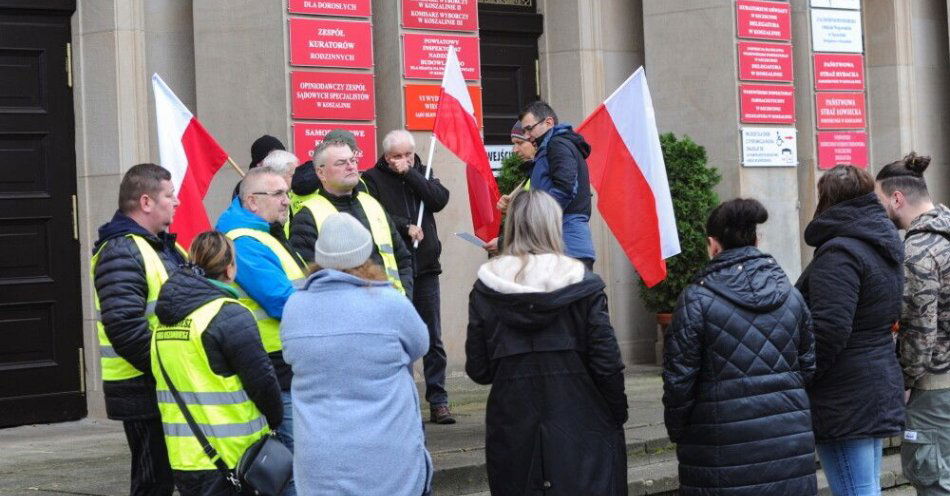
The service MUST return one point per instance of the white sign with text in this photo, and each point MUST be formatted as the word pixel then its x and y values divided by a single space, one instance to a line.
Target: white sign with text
pixel 836 31
pixel 769 147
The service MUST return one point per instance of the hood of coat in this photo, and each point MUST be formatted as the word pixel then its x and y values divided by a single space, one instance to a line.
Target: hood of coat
pixel 331 279
pixel 747 278
pixel 237 216
pixel 935 221
pixel 860 218
pixel 122 224
pixel 567 132
pixel 185 291
pixel 383 166
pixel 305 180
pixel 548 283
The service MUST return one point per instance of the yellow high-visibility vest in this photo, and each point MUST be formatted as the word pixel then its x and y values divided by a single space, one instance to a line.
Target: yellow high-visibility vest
pixel 114 367
pixel 219 405
pixel 321 208
pixel 268 326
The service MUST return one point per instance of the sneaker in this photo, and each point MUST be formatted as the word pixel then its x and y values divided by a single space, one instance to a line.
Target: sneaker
pixel 441 415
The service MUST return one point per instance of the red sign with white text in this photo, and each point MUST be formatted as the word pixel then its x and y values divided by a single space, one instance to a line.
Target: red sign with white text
pixel 352 8
pixel 764 20
pixel 331 43
pixel 766 104
pixel 307 135
pixel 422 101
pixel 765 62
pixel 840 110
pixel 423 55
pixel 331 95
pixel 450 15
pixel 839 72
pixel 842 148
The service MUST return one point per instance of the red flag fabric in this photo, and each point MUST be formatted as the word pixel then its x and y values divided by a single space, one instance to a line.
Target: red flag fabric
pixel 192 156
pixel 457 129
pixel 627 170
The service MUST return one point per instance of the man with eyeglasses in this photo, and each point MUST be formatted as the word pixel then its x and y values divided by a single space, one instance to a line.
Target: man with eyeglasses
pixel 267 267
pixel 336 167
pixel 560 169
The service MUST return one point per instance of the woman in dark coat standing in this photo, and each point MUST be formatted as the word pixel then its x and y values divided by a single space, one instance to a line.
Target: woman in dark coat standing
pixel 853 287
pixel 539 333
pixel 738 355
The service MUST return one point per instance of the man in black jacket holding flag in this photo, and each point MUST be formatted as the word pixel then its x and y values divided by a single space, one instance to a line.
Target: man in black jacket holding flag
pixel 399 182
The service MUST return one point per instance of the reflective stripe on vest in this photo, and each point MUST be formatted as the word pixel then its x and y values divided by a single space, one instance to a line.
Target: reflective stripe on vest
pixel 321 208
pixel 114 367
pixel 267 326
pixel 219 405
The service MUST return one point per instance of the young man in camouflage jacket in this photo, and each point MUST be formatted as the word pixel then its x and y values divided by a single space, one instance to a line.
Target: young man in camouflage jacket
pixel 924 334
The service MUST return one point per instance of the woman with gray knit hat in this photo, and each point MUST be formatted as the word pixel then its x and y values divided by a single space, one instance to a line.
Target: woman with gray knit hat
pixel 351 340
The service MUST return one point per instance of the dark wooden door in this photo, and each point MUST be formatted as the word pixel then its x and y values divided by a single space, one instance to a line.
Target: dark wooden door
pixel 509 52
pixel 40 314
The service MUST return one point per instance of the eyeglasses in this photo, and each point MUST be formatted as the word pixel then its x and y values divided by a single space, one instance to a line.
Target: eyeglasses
pixel 273 194
pixel 531 127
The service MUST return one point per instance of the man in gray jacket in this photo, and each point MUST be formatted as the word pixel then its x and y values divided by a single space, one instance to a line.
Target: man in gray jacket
pixel 924 332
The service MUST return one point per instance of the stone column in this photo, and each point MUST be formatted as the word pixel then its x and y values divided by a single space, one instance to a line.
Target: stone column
pixel 692 69
pixel 117 44
pixel 908 78
pixel 589 48
pixel 241 81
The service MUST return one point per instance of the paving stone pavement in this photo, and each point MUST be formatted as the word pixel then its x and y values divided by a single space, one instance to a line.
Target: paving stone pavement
pixel 90 457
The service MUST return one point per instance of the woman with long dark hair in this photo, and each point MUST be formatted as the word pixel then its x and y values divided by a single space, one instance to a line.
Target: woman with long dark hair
pixel 853 287
pixel 738 355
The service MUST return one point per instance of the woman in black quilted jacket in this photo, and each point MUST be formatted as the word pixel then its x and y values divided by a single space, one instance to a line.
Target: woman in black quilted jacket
pixel 853 287
pixel 738 356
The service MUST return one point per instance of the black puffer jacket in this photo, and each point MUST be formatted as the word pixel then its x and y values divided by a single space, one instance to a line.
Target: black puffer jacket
pixel 122 289
pixel 231 341
pixel 738 355
pixel 853 287
pixel 555 416
pixel 401 196
pixel 303 235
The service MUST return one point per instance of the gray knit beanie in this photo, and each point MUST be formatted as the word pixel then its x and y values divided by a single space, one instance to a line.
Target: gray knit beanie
pixel 343 243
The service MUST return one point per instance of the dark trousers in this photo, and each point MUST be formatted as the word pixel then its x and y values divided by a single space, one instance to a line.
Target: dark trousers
pixel 203 483
pixel 151 473
pixel 426 299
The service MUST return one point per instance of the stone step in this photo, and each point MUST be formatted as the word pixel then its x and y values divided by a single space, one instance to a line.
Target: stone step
pixel 659 479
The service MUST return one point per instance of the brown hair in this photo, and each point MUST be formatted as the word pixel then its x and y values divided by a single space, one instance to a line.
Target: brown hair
pixel 141 179
pixel 907 176
pixel 840 184
pixel 369 270
pixel 213 252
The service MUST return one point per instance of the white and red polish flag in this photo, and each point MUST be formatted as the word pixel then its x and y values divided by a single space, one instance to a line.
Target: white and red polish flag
pixel 457 129
pixel 627 170
pixel 192 156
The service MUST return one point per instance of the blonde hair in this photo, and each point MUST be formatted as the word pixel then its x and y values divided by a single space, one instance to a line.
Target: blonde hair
pixel 533 227
pixel 369 270
pixel 213 252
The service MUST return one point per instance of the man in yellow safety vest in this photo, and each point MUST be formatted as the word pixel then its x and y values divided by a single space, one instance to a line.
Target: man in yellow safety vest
pixel 267 268
pixel 131 260
pixel 336 167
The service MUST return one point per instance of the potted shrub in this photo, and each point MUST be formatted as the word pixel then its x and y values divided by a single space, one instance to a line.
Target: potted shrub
pixel 511 174
pixel 691 186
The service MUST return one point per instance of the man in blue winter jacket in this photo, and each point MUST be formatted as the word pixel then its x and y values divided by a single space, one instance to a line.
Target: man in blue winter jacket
pixel 560 169
pixel 267 268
